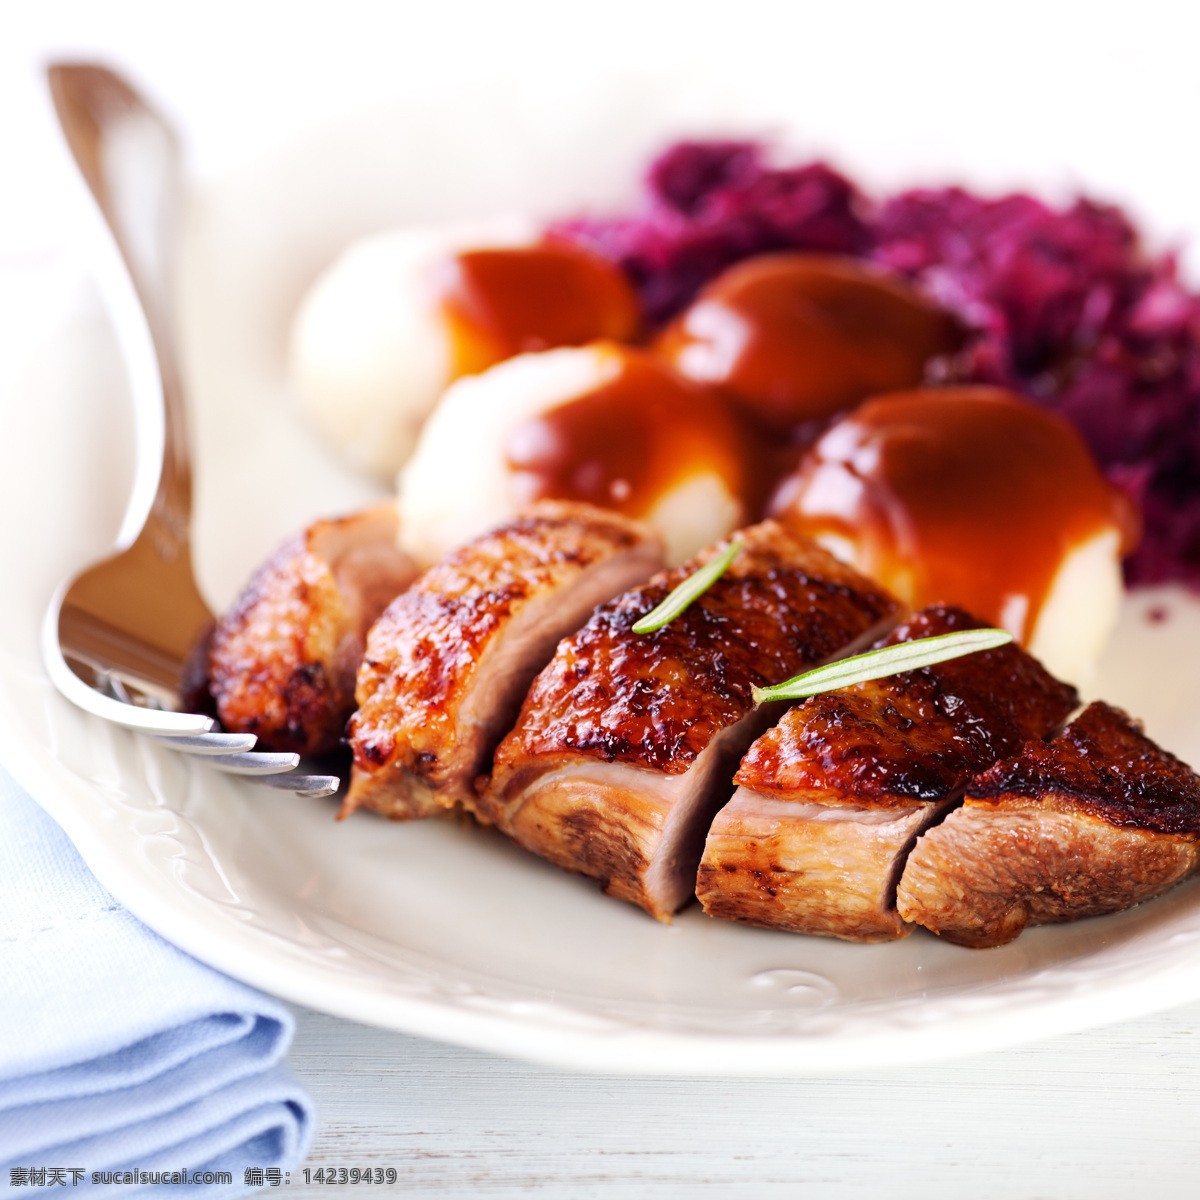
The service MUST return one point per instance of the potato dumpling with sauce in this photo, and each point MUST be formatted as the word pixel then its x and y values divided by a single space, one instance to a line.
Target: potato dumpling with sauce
pixel 603 423
pixel 793 339
pixel 400 315
pixel 975 497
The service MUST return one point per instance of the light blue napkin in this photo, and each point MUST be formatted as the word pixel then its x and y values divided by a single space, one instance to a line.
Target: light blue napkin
pixel 119 1053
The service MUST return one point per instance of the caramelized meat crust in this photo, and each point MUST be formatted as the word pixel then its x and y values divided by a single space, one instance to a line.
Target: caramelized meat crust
pixel 914 737
pixel 281 663
pixel 448 663
pixel 626 743
pixel 1105 765
pixel 833 797
pixel 1092 822
pixel 657 700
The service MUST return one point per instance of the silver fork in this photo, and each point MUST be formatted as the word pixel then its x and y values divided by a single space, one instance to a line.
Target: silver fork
pixel 117 637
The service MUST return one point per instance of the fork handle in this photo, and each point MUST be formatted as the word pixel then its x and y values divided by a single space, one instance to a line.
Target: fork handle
pixel 129 158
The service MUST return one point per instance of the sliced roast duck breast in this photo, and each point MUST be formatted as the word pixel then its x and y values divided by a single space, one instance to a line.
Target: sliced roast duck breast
pixel 448 664
pixel 627 743
pixel 832 798
pixel 281 663
pixel 1093 821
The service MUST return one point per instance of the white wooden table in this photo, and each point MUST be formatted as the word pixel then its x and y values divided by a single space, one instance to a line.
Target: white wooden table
pixel 1106 1113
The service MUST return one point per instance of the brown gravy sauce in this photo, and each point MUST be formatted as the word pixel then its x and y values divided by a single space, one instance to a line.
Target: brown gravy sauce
pixel 965 495
pixel 796 338
pixel 624 444
pixel 513 300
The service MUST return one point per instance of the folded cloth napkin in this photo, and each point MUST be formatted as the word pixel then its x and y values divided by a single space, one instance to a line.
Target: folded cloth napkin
pixel 121 1056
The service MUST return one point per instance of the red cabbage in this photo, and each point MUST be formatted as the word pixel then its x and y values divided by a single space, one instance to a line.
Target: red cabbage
pixel 1064 305
pixel 709 204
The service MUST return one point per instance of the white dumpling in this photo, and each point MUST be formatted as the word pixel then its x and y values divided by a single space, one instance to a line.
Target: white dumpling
pixel 459 482
pixel 370 348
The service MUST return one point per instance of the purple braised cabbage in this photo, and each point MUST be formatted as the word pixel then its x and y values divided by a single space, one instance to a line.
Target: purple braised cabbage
pixel 1064 305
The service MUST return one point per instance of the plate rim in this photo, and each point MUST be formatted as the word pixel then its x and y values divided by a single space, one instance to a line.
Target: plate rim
pixel 247 955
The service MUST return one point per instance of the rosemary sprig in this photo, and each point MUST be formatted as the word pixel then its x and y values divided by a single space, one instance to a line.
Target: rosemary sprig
pixel 891 660
pixel 695 585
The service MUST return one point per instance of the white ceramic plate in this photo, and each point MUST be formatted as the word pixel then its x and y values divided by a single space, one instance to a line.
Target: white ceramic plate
pixel 435 928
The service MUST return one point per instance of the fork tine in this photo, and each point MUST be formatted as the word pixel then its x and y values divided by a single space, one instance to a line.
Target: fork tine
pixel 302 785
pixel 255 764
pixel 209 743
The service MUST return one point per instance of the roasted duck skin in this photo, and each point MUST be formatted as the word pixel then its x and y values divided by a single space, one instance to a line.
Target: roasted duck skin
pixel 626 743
pixel 448 664
pixel 1091 822
pixel 281 663
pixel 832 798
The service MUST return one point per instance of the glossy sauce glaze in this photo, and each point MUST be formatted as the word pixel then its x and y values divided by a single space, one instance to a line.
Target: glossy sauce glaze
pixel 630 441
pixel 970 496
pixel 502 302
pixel 794 339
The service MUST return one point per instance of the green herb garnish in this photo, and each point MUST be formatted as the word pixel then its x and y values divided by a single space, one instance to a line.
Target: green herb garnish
pixel 693 586
pixel 878 664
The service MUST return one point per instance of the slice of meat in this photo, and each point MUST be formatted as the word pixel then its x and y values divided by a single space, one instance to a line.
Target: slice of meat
pixel 833 797
pixel 449 663
pixel 1096 820
pixel 281 663
pixel 626 743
